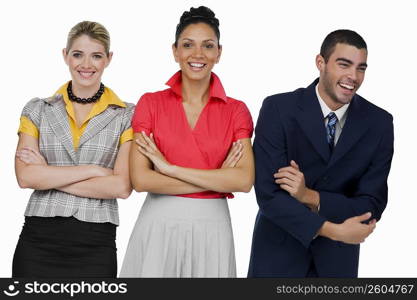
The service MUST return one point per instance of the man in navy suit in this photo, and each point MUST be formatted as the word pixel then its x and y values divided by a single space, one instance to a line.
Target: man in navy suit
pixel 323 154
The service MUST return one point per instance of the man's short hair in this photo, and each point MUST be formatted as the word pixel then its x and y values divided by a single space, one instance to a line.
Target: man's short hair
pixel 342 36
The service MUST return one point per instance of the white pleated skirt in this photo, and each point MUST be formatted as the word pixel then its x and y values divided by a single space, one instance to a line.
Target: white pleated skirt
pixel 181 237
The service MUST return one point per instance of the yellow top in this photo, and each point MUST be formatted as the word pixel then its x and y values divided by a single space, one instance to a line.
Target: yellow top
pixel 108 98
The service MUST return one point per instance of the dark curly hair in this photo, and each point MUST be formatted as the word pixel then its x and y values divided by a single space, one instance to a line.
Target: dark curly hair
pixel 201 14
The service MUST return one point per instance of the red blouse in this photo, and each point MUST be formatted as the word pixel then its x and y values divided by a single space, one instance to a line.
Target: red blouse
pixel 222 121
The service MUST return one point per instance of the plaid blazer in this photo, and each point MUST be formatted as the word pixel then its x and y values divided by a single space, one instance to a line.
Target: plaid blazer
pixel 98 145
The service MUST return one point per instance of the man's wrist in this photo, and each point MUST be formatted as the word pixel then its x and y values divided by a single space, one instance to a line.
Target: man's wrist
pixel 311 198
pixel 330 230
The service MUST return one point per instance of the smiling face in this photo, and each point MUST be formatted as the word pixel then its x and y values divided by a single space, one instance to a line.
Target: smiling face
pixel 86 60
pixel 197 51
pixel 342 75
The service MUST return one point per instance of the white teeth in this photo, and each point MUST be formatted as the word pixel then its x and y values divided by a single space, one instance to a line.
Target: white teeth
pixel 196 65
pixel 347 86
pixel 86 74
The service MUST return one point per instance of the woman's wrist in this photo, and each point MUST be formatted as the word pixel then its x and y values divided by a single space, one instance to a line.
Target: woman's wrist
pixel 171 170
pixel 95 171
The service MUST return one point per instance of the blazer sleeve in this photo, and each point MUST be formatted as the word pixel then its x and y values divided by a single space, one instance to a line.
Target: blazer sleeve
pixel 372 191
pixel 270 148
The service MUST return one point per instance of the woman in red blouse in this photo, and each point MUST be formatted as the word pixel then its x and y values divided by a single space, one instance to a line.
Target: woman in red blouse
pixel 193 149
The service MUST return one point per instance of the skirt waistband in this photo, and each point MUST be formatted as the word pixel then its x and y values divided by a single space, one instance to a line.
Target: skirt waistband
pixel 68 221
pixel 168 206
pixel 68 230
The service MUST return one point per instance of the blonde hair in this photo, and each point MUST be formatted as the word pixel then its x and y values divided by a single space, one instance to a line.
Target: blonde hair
pixel 93 30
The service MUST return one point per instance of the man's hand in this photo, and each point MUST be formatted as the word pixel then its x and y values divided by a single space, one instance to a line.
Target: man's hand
pixel 351 231
pixel 291 179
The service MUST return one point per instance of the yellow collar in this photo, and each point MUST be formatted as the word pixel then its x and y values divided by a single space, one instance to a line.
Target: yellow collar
pixel 108 98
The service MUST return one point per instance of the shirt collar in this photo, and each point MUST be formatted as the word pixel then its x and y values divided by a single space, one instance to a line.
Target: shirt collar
pixel 341 113
pixel 108 98
pixel 216 87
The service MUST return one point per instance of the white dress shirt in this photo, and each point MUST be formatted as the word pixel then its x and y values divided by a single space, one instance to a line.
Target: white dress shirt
pixel 341 114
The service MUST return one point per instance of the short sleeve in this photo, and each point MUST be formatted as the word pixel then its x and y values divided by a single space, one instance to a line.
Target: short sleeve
pixel 127 132
pixel 30 118
pixel 142 118
pixel 27 126
pixel 243 125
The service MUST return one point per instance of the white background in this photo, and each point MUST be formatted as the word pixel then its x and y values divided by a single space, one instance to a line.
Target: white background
pixel 268 47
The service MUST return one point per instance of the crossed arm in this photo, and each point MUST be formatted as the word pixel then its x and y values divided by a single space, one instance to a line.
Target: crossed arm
pixel 286 201
pixel 351 231
pixel 91 181
pixel 369 200
pixel 151 172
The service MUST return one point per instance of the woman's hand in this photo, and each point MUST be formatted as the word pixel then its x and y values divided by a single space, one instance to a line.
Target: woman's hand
pixel 234 155
pixel 147 146
pixel 30 156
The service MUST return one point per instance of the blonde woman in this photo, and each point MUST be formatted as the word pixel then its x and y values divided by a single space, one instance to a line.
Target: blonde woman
pixel 73 152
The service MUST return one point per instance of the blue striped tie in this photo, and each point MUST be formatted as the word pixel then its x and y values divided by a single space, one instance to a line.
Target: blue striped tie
pixel 331 128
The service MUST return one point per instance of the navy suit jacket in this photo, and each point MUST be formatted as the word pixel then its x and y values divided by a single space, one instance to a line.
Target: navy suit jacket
pixel 351 180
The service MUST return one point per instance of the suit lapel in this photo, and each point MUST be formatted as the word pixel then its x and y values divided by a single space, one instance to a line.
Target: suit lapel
pixel 97 123
pixel 355 127
pixel 58 120
pixel 311 121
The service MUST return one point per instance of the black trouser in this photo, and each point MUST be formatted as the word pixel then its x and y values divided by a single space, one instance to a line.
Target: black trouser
pixel 64 247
